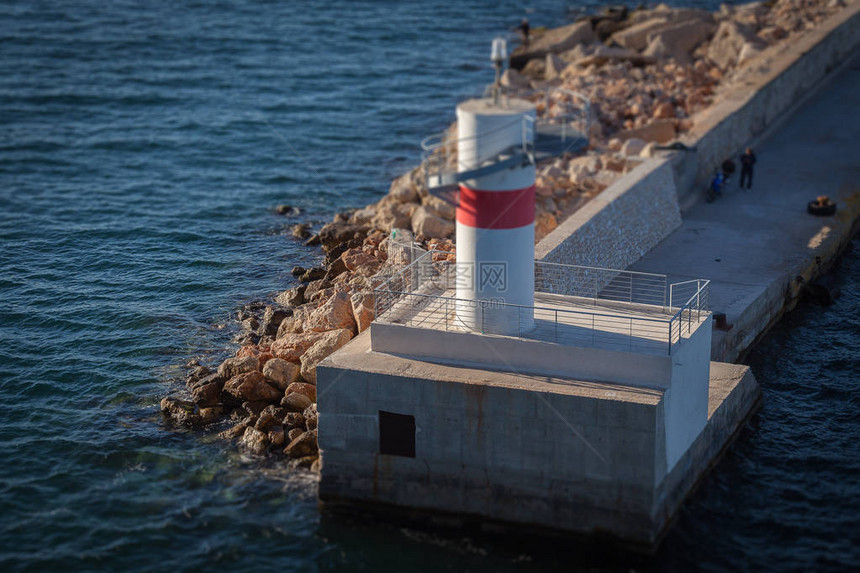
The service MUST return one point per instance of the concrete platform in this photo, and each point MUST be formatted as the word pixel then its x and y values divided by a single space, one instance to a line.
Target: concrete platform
pixel 754 245
pixel 551 451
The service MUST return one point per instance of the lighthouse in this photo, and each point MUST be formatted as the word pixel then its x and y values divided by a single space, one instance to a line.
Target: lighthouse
pixel 584 396
pixel 496 212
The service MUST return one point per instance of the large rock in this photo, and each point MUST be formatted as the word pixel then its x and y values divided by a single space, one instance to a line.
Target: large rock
pixel 534 70
pixel 390 214
pixel 239 365
pixel 315 289
pixel 274 413
pixel 311 416
pixel 296 402
pixel 207 391
pixel 293 419
pixel 677 42
pixel 333 314
pixel 196 374
pixel 513 79
pixel 363 309
pixel 188 413
pixel 254 441
pixel 330 342
pixel 291 346
pixel 178 411
pixel 363 216
pixel 661 131
pixel 402 189
pixel 632 146
pixel 335 234
pixel 728 41
pixel 253 387
pixel 439 207
pixel 308 390
pixel 671 15
pixel 636 37
pixel 281 373
pixel 235 431
pixel 429 225
pixel 295 323
pixel 357 261
pixel 749 52
pixel 553 41
pixel 293 297
pixel 605 54
pixel 276 436
pixel 303 445
pixel 272 319
pixel 554 67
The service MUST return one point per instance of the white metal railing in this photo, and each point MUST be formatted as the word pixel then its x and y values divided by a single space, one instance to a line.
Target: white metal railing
pixel 690 311
pixel 601 284
pixel 559 325
pixel 631 308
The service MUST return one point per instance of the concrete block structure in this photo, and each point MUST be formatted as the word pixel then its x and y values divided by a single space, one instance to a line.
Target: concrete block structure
pixel 592 420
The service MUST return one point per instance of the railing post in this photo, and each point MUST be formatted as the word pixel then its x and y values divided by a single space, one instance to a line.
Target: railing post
pixel 593 333
pixel 670 337
pixel 556 325
pixel 630 291
pixel 519 322
pixel 698 301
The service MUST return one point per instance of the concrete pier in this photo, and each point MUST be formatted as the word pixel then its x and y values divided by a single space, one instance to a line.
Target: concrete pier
pixel 760 247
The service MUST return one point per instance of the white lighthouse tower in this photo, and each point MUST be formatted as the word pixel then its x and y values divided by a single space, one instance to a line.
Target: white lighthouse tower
pixel 496 211
pixel 495 217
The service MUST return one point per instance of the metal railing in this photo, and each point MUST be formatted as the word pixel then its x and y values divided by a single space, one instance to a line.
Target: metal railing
pixel 556 106
pixel 630 311
pixel 601 284
pixel 565 326
pixel 698 292
pixel 566 113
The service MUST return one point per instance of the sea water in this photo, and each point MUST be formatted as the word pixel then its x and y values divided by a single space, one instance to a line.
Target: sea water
pixel 143 146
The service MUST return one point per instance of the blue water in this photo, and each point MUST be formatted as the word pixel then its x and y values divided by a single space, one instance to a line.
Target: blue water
pixel 142 148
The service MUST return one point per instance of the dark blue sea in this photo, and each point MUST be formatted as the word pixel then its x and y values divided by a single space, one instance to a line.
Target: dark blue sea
pixel 143 146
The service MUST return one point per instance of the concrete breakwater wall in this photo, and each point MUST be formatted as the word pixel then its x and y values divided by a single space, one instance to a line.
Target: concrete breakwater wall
pixel 621 224
pixel 761 96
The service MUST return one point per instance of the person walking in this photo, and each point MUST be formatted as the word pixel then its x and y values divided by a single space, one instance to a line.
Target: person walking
pixel 747 162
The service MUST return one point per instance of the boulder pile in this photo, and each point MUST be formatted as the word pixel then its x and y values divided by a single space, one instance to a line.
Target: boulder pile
pixel 266 393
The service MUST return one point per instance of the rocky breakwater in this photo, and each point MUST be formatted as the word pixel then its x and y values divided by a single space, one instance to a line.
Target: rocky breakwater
pixel 265 396
pixel 649 74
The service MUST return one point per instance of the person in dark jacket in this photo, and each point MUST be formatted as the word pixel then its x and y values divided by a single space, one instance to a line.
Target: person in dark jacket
pixel 747 162
pixel 523 29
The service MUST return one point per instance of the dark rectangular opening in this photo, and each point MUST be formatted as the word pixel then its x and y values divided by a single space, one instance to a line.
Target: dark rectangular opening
pixel 396 434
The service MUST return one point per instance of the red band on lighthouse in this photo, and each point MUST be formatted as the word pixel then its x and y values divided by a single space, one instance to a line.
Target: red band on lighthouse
pixel 496 209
